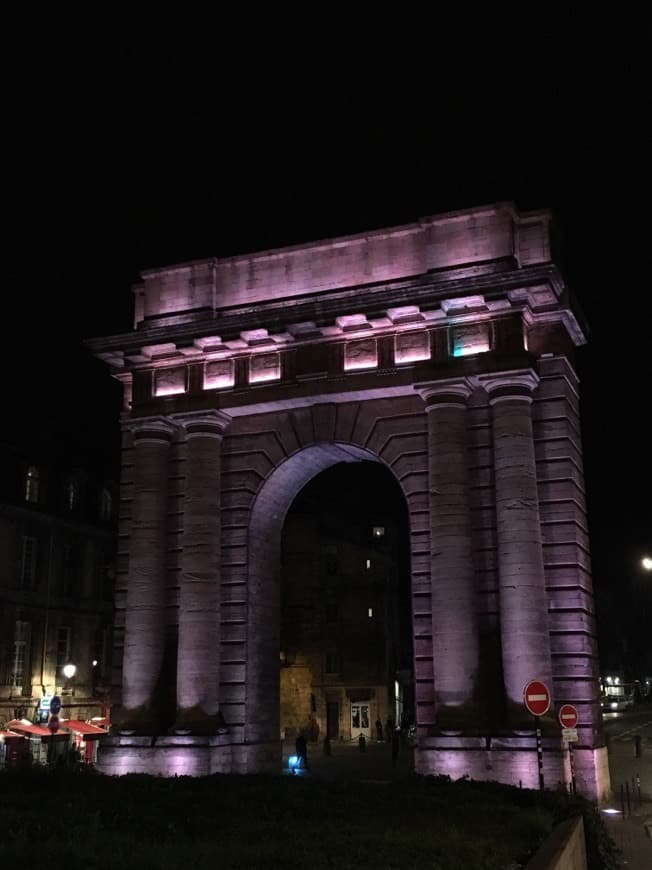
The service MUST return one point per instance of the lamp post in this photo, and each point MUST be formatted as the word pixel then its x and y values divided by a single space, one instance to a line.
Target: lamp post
pixel 646 563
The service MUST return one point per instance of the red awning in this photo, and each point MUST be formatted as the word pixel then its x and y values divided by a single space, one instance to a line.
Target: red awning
pixel 24 727
pixel 89 732
pixel 11 735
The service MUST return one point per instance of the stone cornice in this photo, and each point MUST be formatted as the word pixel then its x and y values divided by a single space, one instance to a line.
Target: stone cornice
pixel 424 301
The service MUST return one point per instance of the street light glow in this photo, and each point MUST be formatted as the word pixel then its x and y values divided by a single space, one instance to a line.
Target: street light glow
pixel 69 671
pixel 646 562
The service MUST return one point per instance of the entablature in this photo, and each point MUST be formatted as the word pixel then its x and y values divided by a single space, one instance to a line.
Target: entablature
pixel 408 305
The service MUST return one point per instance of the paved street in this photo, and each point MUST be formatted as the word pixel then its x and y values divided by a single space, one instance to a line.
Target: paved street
pixel 633 831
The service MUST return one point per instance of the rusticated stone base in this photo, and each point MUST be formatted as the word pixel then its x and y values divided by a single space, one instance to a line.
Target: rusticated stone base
pixel 510 760
pixel 513 760
pixel 185 755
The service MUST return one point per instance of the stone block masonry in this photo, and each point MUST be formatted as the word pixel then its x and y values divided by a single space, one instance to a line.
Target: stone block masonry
pixel 442 349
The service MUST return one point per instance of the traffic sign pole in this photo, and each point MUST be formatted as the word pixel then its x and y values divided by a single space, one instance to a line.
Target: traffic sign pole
pixel 537 725
pixel 568 719
pixel 536 697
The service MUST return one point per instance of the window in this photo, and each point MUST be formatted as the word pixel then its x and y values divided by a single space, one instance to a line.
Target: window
pixel 20 658
pixel 72 494
pixel 368 564
pixel 370 612
pixel 378 531
pixel 68 576
pixel 63 648
pixel 332 662
pixel 106 505
pixel 28 562
pixel 32 484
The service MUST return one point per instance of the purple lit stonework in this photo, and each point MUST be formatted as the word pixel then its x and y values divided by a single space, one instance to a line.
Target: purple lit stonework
pixel 442 349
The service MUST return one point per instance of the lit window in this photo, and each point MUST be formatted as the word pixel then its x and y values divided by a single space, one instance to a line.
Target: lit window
pixel 368 564
pixel 32 484
pixel 378 531
pixel 28 562
pixel 72 494
pixel 370 613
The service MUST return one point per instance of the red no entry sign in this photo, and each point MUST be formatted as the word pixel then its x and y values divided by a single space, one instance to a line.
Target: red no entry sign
pixel 537 697
pixel 568 717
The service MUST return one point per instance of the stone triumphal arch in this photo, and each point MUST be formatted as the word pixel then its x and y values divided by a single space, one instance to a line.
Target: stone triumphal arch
pixel 442 349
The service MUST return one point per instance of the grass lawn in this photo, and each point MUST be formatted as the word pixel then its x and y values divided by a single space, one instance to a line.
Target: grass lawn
pixel 91 821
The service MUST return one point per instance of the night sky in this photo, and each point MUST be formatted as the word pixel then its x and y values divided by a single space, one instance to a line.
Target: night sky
pixel 132 143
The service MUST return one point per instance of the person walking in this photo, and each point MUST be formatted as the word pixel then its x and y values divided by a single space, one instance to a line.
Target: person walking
pixel 379 730
pixel 389 728
pixel 301 747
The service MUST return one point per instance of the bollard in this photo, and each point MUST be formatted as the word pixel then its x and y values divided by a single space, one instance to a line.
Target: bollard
pixel 637 745
pixel 362 743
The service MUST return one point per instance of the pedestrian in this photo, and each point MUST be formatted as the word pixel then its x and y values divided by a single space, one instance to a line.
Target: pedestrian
pixel 389 728
pixel 379 730
pixel 362 743
pixel 302 752
pixel 395 747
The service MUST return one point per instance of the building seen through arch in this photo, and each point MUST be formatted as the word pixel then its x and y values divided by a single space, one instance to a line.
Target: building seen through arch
pixel 442 350
pixel 346 632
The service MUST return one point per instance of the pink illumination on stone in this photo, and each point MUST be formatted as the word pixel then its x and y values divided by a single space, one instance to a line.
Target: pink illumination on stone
pixel 361 354
pixel 411 347
pixel 219 374
pixel 170 382
pixel 264 367
pixel 467 340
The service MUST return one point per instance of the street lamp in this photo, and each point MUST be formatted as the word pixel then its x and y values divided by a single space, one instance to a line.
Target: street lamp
pixel 646 563
pixel 69 672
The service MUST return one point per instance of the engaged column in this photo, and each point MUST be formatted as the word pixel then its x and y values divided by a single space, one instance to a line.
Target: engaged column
pixel 198 657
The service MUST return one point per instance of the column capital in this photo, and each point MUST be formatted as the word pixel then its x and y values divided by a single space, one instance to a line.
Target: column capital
pixel 205 423
pixel 517 384
pixel 452 392
pixel 158 429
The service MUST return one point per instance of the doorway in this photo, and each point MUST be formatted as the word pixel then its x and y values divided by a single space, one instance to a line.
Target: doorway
pixel 360 721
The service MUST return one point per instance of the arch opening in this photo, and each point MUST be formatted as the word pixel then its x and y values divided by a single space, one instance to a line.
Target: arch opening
pixel 330 601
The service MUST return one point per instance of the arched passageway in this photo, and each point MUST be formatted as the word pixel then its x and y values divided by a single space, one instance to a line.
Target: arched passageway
pixel 346 667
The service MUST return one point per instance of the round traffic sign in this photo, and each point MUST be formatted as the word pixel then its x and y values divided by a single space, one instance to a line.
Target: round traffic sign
pixel 55 705
pixel 537 698
pixel 53 724
pixel 568 717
